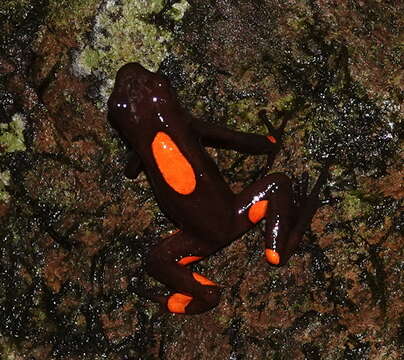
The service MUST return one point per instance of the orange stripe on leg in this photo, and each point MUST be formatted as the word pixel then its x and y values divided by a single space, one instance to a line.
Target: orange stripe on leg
pixel 203 280
pixel 272 256
pixel 173 165
pixel 188 260
pixel 178 302
pixel 257 211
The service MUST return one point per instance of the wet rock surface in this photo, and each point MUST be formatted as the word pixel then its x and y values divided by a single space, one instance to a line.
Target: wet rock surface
pixel 74 231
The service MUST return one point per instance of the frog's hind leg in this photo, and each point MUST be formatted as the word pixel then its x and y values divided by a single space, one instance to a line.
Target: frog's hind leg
pixel 168 262
pixel 271 198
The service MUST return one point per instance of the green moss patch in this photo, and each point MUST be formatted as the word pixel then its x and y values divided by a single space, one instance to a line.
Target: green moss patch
pixel 12 135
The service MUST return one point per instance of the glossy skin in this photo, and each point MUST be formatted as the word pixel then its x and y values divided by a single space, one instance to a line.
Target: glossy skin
pixel 168 144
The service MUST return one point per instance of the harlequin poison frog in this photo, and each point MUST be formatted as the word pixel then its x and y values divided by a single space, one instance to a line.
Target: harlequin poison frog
pixel 169 145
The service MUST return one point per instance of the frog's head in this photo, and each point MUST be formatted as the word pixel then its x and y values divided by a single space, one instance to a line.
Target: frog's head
pixel 138 95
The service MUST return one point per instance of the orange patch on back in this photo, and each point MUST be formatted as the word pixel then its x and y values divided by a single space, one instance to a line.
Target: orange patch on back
pixel 175 168
pixel 188 260
pixel 202 280
pixel 272 256
pixel 271 139
pixel 178 302
pixel 257 211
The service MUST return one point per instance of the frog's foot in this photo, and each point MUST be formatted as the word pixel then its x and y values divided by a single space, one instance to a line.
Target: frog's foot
pixel 309 204
pixel 275 135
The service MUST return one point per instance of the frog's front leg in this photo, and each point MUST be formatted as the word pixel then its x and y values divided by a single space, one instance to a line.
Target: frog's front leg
pixel 133 166
pixel 168 262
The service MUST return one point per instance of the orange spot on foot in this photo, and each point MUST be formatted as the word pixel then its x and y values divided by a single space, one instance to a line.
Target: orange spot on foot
pixel 202 279
pixel 271 139
pixel 257 211
pixel 272 256
pixel 188 260
pixel 178 302
pixel 173 165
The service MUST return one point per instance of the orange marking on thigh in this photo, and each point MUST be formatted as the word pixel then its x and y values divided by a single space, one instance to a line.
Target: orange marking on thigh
pixel 203 280
pixel 175 168
pixel 272 256
pixel 257 211
pixel 271 139
pixel 188 260
pixel 178 302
